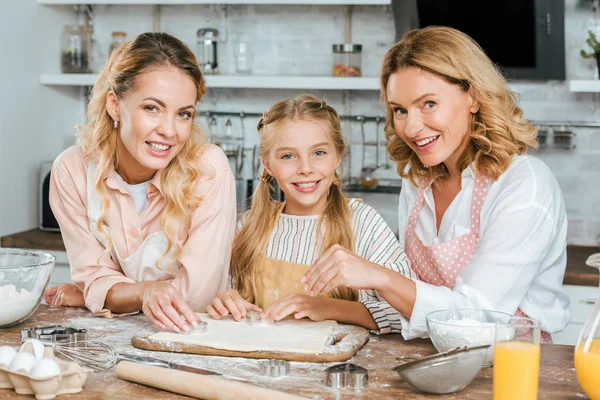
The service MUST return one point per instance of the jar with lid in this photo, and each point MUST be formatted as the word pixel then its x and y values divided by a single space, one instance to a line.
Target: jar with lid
pixel 118 38
pixel 75 49
pixel 347 59
pixel 207 39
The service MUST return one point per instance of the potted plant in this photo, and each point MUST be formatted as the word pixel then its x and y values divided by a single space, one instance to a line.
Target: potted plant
pixel 592 41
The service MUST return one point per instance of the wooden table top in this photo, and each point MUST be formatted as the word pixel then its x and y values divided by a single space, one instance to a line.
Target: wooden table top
pixel 557 375
pixel 577 273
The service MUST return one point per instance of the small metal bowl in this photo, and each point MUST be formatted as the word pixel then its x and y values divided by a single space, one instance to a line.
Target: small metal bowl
pixel 444 373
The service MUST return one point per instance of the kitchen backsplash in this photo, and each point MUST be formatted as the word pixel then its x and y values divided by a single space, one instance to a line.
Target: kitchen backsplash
pixel 296 40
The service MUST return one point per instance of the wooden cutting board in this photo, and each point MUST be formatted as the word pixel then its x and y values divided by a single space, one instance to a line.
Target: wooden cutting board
pixel 348 340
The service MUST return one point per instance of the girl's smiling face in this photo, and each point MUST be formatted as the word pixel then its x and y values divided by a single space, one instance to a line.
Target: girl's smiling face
pixel 303 160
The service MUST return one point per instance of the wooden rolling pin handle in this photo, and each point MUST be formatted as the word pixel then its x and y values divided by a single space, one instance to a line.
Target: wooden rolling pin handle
pixel 195 385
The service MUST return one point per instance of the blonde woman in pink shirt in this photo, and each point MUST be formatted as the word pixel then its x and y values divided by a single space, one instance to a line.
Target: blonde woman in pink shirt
pixel 146 208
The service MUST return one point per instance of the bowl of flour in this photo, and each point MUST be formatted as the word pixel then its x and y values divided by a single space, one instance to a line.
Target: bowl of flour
pixel 24 275
pixel 453 328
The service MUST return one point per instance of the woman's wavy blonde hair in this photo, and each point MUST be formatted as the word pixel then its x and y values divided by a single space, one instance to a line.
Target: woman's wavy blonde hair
pixel 98 139
pixel 498 130
pixel 251 241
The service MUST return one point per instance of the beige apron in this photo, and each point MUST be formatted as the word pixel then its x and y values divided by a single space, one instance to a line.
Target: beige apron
pixel 277 279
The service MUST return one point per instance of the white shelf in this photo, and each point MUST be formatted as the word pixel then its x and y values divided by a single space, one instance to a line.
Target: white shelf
pixel 68 79
pixel 248 82
pixel 174 2
pixel 584 86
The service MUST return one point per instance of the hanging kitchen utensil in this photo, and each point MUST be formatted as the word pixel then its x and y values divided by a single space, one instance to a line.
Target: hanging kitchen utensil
pixel 377 120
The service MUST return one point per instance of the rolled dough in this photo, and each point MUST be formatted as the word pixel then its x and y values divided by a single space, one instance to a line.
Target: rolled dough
pixel 287 336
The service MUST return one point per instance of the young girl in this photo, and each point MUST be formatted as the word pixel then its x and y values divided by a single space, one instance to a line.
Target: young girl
pixel 301 145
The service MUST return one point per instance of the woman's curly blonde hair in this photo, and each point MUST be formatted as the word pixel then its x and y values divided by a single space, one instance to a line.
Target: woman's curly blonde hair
pixel 98 139
pixel 498 129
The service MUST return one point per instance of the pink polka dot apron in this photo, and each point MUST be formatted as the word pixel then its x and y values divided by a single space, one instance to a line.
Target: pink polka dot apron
pixel 440 264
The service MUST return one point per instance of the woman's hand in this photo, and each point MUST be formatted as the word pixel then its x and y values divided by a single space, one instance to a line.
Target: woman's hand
pixel 301 305
pixel 340 267
pixel 164 305
pixel 230 302
pixel 67 295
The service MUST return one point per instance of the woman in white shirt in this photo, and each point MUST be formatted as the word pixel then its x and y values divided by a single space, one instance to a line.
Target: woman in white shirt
pixel 483 224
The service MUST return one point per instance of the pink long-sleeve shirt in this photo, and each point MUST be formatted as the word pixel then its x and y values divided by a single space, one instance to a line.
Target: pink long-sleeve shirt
pixel 204 261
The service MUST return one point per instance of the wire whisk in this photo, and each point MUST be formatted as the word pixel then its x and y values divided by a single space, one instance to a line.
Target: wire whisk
pixel 89 353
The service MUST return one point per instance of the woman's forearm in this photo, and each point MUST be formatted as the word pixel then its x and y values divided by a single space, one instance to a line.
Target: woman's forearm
pixel 350 312
pixel 399 291
pixel 125 297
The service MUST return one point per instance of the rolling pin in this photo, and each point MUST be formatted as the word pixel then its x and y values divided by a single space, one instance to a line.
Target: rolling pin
pixel 195 385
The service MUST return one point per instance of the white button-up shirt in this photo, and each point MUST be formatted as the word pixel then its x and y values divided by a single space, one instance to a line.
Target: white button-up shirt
pixel 521 255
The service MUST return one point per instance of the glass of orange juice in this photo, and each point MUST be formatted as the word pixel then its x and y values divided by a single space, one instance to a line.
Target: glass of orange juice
pixel 516 359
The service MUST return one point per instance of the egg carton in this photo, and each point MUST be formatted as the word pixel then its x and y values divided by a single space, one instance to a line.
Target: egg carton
pixel 71 379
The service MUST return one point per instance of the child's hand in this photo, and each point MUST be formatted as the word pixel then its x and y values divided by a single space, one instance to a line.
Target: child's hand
pixel 301 305
pixel 340 267
pixel 67 295
pixel 230 302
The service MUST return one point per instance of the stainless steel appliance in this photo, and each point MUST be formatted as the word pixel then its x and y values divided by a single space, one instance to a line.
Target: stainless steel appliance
pixel 47 220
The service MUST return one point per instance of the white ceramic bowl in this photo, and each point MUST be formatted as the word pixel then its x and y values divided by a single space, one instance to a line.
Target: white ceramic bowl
pixel 453 328
pixel 24 275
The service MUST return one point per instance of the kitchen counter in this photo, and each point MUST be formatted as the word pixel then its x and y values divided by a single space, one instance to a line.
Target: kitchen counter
pixel 577 272
pixel 557 375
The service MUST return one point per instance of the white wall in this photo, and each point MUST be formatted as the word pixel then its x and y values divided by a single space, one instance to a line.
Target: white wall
pixel 288 40
pixel 33 119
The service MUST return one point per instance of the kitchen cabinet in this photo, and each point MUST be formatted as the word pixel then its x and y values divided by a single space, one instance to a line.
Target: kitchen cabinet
pixel 582 300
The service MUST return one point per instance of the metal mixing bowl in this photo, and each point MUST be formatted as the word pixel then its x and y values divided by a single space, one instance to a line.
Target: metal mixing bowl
pixel 24 275
pixel 446 372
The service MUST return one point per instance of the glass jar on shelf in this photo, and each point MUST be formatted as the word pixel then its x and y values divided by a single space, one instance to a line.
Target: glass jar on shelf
pixel 118 38
pixel 587 351
pixel 347 59
pixel 75 49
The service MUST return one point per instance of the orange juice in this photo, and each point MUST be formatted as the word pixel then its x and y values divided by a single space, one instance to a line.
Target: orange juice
pixel 587 366
pixel 516 370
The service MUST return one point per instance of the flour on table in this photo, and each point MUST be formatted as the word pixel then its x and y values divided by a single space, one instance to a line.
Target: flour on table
pixel 290 336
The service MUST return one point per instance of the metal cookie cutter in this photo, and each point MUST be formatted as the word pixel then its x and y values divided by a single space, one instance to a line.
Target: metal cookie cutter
pixel 200 329
pixel 55 333
pixel 346 375
pixel 255 318
pixel 274 368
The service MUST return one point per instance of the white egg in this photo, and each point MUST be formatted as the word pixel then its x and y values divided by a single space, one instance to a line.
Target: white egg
pixel 38 347
pixel 7 353
pixel 22 361
pixel 45 368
